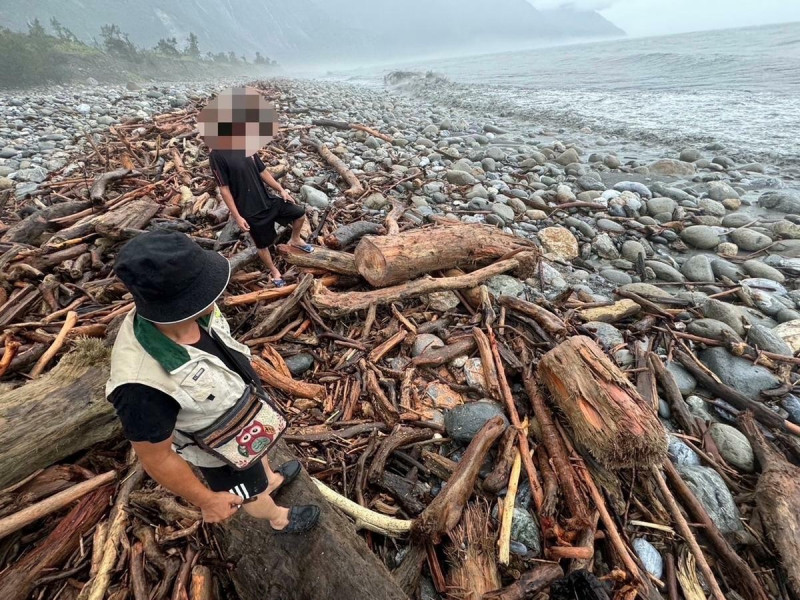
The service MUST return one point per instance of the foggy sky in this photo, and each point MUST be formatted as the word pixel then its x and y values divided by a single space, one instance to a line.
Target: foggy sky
pixel 656 17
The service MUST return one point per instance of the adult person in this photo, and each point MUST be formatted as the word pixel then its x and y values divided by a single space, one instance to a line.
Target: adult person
pixel 176 369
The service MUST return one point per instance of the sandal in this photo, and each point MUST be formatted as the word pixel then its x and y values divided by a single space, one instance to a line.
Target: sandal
pixel 307 248
pixel 279 283
pixel 290 470
pixel 301 519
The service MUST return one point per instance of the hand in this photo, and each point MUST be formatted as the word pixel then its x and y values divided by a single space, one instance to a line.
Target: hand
pixel 220 506
pixel 243 225
pixel 287 196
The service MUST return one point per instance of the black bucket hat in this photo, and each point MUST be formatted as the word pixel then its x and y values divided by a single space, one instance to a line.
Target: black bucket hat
pixel 171 278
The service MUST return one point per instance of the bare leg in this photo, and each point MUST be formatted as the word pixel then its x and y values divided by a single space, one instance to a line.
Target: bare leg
pixel 297 226
pixel 275 479
pixel 266 258
pixel 265 508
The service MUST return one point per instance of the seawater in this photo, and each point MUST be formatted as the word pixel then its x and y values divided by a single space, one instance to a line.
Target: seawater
pixel 736 87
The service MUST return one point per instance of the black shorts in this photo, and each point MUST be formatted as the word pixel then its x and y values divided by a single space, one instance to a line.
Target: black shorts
pixel 262 225
pixel 244 484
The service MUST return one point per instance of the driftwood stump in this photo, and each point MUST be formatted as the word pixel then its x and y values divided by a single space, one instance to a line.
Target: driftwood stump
pixel 607 415
pixel 330 562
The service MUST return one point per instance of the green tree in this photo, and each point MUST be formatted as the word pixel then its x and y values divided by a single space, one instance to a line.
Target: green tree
pixel 62 32
pixel 116 42
pixel 232 57
pixel 167 47
pixel 192 46
pixel 35 29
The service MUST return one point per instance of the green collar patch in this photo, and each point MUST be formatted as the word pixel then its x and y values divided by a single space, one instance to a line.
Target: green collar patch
pixel 168 353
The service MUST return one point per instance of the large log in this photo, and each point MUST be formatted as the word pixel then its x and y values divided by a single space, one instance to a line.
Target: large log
pixel 343 236
pixel 387 260
pixel 606 414
pixel 329 562
pixel 60 413
pixel 322 258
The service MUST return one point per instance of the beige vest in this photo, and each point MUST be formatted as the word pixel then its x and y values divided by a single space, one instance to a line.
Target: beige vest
pixel 200 382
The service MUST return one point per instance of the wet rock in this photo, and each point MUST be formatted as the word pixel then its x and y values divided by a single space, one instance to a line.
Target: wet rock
pixel 473 372
pixel 611 314
pixel 690 154
pixel 652 292
pixel 711 207
pixel 314 197
pixel 713 329
pixel 506 285
pixel 609 225
pixel 660 205
pixel 442 301
pixel 698 408
pixel 715 497
pixel 464 422
pixel 632 249
pixel 568 157
pixel 739 373
pixel 607 335
pixel 787 201
pixel 664 271
pixel 723 268
pixel 789 332
pixel 605 248
pixel 558 243
pixel 698 268
pixel 727 313
pixel 376 201
pixel 719 191
pixel 505 212
pixel 765 339
pixel 686 383
pixel 650 557
pixel 299 363
pixel 425 341
pixel 524 530
pixel 671 168
pixel 749 240
pixel 700 236
pixel 616 276
pixel 791 404
pixel 460 178
pixel 681 454
pixel 733 446
pixel 756 268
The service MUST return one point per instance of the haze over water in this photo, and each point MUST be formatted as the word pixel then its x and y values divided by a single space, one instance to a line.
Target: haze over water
pixel 739 87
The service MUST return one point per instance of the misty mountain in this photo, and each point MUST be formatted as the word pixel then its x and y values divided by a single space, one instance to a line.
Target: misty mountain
pixel 320 31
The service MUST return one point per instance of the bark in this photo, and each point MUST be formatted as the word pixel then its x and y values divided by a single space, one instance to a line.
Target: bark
pixel 329 562
pixel 28 230
pixel 98 190
pixel 321 258
pixel 17 582
pixel 444 512
pixel 387 260
pixel 471 555
pixel 550 322
pixel 131 215
pixel 343 236
pixel 607 416
pixel 338 305
pixel 400 436
pixel 62 412
pixel 439 356
pixel 529 583
pixel 281 312
pixel 778 502
pixel 498 478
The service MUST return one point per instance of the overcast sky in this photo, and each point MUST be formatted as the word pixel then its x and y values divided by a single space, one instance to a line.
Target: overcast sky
pixel 654 17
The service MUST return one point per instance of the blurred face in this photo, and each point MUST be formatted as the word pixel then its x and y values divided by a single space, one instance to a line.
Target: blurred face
pixel 238 119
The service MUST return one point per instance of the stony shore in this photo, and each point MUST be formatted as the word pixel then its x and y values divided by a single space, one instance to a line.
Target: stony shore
pixel 711 240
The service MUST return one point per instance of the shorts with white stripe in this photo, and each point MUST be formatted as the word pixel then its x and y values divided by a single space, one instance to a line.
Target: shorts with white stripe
pixel 244 484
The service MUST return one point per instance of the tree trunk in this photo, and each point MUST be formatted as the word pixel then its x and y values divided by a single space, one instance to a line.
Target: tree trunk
pixel 387 260
pixel 606 414
pixel 322 258
pixel 329 562
pixel 62 412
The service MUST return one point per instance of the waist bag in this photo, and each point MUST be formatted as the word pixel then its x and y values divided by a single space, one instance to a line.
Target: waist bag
pixel 245 432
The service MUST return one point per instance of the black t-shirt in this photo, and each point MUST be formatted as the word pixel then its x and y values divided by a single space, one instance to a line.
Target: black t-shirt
pixel 149 415
pixel 242 174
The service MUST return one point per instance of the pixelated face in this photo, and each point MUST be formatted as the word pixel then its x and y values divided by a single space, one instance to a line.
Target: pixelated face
pixel 254 438
pixel 238 119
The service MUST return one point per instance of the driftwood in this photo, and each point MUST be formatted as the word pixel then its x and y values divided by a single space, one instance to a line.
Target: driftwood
pixel 550 322
pixel 604 411
pixel 283 310
pixel 17 582
pixel 98 190
pixel 357 126
pixel 444 512
pixel 387 260
pixel 778 502
pixel 473 569
pixel 356 189
pixel 322 258
pixel 67 399
pixel 337 305
pixel 330 561
pixel 343 236
pixel 529 583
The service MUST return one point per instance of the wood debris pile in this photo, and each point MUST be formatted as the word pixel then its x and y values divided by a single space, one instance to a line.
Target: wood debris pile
pixel 478 439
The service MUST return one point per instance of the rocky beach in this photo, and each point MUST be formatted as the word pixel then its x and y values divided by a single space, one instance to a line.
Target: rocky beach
pixel 690 254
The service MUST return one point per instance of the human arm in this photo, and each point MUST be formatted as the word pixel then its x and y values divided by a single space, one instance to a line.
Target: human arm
pixel 227 198
pixel 174 473
pixel 270 180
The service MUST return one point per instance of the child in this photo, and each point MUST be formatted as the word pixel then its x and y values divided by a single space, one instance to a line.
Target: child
pixel 241 181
